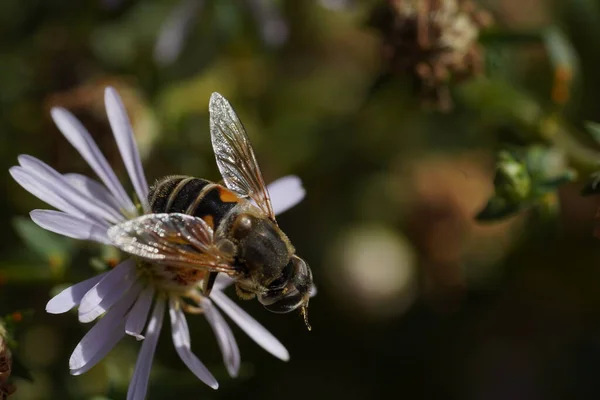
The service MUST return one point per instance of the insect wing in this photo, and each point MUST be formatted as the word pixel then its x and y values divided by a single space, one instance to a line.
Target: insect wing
pixel 235 157
pixel 173 239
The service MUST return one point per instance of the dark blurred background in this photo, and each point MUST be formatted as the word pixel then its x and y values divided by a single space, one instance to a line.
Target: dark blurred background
pixel 396 137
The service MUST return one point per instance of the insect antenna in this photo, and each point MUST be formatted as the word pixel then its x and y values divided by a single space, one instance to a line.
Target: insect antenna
pixel 304 311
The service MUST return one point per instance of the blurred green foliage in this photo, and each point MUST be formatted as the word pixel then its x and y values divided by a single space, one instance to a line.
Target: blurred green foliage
pixel 505 309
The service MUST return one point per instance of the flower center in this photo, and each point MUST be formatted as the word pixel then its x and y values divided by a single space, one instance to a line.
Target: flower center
pixel 173 280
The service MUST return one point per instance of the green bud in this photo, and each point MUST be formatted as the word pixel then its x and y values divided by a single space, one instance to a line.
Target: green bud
pixel 512 180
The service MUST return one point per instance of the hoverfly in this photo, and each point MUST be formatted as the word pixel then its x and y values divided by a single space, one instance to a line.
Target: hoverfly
pixel 198 229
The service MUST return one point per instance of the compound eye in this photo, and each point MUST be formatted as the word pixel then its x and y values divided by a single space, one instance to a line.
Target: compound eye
pixel 302 277
pixel 299 265
pixel 280 282
pixel 286 304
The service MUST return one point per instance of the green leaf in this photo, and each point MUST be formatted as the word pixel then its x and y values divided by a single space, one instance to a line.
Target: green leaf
pixel 560 50
pixel 27 272
pixel 499 102
pixel 55 249
pixel 594 129
pixel 553 184
pixel 496 209
pixel 593 185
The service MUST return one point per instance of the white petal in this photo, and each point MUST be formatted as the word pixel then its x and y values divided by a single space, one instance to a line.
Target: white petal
pixel 256 331
pixel 78 199
pixel 71 296
pixel 181 341
pixel 121 127
pixel 93 346
pixel 222 282
pixel 80 138
pixel 70 226
pixel 285 193
pixel 110 338
pixel 136 320
pixel 313 290
pixel 174 31
pixel 43 191
pixel 225 338
pixel 139 382
pixel 93 189
pixel 108 291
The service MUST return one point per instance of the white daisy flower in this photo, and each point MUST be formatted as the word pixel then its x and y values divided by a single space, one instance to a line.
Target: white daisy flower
pixel 126 298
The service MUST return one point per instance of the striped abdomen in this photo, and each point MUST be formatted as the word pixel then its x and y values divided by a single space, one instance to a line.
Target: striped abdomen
pixel 193 196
